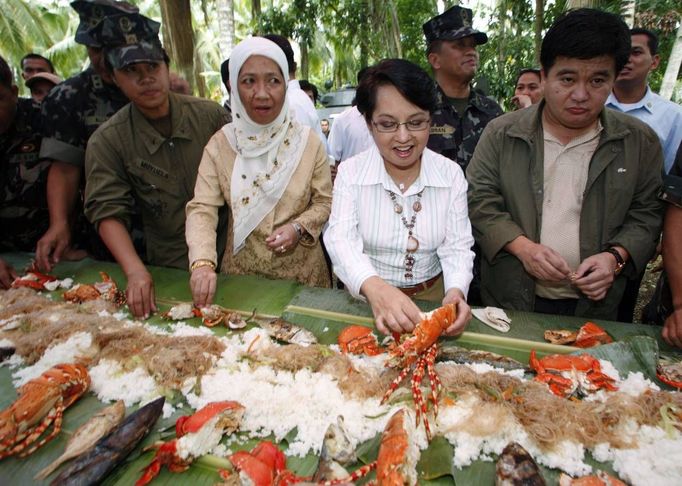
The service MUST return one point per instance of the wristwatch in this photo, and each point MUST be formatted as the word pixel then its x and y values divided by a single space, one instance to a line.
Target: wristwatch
pixel 299 229
pixel 620 263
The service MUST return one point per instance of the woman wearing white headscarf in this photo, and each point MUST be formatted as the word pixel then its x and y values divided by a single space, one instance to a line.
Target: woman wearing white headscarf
pixel 272 173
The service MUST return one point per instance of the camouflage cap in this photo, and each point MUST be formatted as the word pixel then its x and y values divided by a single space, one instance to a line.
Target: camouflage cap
pixel 129 38
pixel 91 12
pixel 452 24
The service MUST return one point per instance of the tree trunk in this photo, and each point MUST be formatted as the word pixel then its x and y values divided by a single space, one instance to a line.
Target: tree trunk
pixel 176 16
pixel 539 24
pixel 673 68
pixel 395 28
pixel 304 60
pixel 225 12
pixel 255 10
pixel 571 4
pixel 627 10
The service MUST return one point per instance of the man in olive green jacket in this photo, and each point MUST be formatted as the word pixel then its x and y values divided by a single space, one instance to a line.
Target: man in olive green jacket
pixel 563 195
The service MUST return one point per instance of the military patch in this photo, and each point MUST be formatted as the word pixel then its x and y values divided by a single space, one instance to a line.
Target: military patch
pixel 442 130
pixel 148 166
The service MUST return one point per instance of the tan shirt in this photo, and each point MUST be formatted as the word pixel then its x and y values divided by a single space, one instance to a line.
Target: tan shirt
pixel 565 176
pixel 307 199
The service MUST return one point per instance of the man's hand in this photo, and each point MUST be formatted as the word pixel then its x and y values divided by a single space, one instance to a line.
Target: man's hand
pixel 521 101
pixel 672 329
pixel 595 275
pixel 7 274
pixel 393 311
pixel 455 296
pixel 52 246
pixel 202 281
pixel 140 293
pixel 538 260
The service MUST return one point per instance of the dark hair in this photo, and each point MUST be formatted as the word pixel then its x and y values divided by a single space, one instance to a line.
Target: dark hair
pixel 361 73
pixel 308 86
pixel 410 80
pixel 434 46
pixel 285 45
pixel 33 55
pixel 652 38
pixel 535 71
pixel 225 71
pixel 6 78
pixel 586 33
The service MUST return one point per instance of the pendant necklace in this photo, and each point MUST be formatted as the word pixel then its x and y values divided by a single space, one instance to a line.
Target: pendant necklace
pixel 412 241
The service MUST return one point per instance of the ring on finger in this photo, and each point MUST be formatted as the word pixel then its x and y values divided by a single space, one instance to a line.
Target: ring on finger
pixel 281 248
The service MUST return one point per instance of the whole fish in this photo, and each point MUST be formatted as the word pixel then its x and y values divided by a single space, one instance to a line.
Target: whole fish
pixel 91 467
pixel 515 467
pixel 87 435
pixel 290 333
pixel 463 355
pixel 337 449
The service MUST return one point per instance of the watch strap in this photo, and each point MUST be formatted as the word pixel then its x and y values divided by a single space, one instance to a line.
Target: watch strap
pixel 620 262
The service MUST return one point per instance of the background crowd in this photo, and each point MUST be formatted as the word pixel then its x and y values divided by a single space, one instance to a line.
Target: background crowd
pixel 555 207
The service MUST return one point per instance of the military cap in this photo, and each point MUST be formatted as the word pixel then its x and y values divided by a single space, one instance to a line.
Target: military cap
pixel 452 24
pixel 91 12
pixel 129 38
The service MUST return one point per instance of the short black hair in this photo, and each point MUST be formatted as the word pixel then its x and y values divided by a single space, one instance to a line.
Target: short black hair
pixel 6 78
pixel 285 45
pixel 33 55
pixel 225 71
pixel 651 36
pixel 586 33
pixel 308 86
pixel 410 80
pixel 523 71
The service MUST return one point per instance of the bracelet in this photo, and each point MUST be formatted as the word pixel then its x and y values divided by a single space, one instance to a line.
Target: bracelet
pixel 203 262
pixel 299 229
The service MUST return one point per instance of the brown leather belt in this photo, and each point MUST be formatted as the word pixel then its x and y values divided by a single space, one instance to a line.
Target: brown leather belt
pixel 420 287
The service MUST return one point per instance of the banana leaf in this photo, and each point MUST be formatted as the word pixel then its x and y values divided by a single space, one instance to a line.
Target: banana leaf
pixel 634 353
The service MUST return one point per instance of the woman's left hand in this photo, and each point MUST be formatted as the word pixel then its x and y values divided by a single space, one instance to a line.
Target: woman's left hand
pixel 282 239
pixel 455 296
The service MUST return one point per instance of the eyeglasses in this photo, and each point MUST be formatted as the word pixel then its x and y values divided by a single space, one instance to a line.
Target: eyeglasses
pixel 388 126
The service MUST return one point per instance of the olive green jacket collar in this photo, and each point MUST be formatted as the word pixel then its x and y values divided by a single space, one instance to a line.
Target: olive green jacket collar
pixel 152 139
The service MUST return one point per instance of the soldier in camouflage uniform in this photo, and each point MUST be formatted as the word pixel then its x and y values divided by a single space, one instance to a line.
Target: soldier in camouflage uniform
pixel 71 113
pixel 23 176
pixel 146 157
pixel 463 112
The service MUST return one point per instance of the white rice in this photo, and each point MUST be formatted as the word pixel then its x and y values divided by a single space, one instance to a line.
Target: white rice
pixel 183 329
pixel 657 460
pixel 77 346
pixel 111 383
pixel 6 343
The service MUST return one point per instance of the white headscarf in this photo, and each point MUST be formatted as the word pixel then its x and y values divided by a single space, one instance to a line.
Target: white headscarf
pixel 267 155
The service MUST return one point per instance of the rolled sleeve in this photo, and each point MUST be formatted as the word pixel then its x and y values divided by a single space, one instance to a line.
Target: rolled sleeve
pixel 342 238
pixel 54 149
pixel 455 254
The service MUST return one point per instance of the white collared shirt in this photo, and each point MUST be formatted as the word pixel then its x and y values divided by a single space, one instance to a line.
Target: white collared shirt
pixel 366 237
pixel 302 109
pixel 349 135
pixel 663 116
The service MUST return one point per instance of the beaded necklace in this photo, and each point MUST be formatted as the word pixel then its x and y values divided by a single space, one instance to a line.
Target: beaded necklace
pixel 412 241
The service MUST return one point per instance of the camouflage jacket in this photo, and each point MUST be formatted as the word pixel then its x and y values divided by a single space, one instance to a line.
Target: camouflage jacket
pixel 456 136
pixel 72 112
pixel 23 179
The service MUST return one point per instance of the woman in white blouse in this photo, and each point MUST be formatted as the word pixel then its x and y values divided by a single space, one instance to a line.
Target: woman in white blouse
pixel 399 227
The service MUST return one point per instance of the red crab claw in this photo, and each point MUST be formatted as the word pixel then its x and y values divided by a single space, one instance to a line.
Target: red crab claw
pixel 270 454
pixel 535 362
pixel 590 335
pixel 189 424
pixel 165 455
pixel 287 478
pixel 256 470
pixel 559 385
pixel 33 279
pixel 356 339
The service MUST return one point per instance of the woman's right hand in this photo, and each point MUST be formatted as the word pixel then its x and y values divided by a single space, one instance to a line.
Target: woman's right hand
pixel 393 310
pixel 202 281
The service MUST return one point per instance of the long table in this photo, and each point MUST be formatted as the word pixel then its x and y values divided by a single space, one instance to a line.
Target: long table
pixel 310 307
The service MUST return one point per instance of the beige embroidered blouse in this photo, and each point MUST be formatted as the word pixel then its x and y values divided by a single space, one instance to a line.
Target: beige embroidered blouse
pixel 307 199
